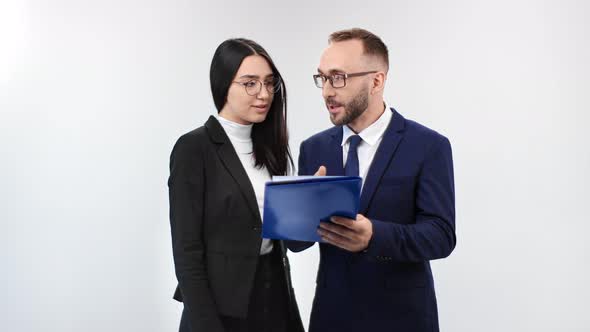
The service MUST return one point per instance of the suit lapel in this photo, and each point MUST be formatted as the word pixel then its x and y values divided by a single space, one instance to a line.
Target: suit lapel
pixel 391 139
pixel 228 156
pixel 334 163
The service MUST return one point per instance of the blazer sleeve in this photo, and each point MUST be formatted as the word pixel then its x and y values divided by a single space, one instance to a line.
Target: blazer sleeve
pixel 297 246
pixel 432 236
pixel 186 186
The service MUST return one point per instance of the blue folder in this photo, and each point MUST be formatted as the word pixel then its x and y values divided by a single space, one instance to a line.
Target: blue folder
pixel 294 206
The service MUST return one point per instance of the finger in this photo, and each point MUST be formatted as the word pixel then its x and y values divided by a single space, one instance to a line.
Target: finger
pixel 321 171
pixel 331 235
pixel 346 222
pixel 338 230
pixel 327 240
pixel 334 239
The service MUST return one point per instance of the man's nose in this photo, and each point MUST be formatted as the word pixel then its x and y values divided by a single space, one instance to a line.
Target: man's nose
pixel 328 90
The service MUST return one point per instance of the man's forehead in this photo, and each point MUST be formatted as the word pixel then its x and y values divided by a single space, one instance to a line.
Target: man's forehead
pixel 341 56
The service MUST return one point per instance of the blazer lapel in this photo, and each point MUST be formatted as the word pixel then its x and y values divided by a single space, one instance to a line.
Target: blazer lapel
pixel 333 161
pixel 391 139
pixel 232 163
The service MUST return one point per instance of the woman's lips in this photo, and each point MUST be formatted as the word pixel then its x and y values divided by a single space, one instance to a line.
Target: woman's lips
pixel 261 108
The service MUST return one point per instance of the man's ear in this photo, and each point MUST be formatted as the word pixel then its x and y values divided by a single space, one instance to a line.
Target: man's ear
pixel 378 82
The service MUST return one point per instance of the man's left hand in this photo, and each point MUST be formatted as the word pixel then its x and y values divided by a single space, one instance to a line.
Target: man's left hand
pixel 348 234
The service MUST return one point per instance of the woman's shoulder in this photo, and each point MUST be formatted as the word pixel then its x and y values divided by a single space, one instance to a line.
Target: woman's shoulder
pixel 191 141
pixel 194 135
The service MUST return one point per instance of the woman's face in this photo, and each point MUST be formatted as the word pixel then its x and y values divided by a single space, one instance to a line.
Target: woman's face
pixel 248 97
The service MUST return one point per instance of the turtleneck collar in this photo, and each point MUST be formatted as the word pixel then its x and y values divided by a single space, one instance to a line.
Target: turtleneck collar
pixel 236 131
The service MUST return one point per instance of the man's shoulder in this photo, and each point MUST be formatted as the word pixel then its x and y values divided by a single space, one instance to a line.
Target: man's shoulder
pixel 416 130
pixel 322 136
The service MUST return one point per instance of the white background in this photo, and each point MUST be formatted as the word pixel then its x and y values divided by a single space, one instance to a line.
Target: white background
pixel 93 94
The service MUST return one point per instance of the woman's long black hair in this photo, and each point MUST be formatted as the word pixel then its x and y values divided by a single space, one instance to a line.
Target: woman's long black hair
pixel 270 138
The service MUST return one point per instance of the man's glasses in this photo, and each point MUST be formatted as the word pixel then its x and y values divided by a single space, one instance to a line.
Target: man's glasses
pixel 253 87
pixel 337 80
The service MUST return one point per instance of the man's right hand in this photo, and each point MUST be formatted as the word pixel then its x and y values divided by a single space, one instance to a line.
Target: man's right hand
pixel 321 171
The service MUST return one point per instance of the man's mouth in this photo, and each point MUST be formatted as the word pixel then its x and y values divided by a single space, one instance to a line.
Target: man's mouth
pixel 335 107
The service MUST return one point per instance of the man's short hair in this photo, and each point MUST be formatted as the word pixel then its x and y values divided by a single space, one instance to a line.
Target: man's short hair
pixel 372 44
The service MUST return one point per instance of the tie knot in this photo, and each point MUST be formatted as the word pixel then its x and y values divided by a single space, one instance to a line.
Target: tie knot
pixel 354 141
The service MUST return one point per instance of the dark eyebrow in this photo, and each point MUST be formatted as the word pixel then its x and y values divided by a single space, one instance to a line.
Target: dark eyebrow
pixel 256 76
pixel 249 76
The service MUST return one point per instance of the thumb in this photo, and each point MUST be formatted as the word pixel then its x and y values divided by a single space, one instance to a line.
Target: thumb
pixel 321 171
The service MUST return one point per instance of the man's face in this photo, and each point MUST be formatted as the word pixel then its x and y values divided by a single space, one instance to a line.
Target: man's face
pixel 349 102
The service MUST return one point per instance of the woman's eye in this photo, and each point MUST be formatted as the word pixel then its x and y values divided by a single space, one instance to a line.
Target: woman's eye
pixel 250 84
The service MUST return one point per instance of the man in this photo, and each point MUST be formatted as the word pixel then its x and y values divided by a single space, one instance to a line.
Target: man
pixel 374 272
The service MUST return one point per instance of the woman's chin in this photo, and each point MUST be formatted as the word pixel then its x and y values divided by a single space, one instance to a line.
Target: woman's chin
pixel 258 117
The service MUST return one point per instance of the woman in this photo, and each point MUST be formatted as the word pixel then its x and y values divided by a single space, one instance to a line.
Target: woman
pixel 229 277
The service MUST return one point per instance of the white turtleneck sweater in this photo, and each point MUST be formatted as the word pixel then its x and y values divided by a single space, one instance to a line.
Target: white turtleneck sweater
pixel 240 137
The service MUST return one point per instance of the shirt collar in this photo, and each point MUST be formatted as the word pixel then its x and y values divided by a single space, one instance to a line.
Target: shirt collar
pixel 239 132
pixel 372 133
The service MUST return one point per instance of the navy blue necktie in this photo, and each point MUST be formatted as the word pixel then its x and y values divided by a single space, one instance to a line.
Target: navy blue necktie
pixel 351 168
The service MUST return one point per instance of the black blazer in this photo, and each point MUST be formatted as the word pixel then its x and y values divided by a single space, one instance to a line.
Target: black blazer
pixel 216 229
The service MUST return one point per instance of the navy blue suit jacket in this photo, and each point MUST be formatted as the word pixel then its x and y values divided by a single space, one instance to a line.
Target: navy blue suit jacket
pixel 408 195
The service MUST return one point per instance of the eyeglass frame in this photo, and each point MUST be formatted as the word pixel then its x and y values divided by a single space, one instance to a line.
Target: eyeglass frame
pixel 277 86
pixel 331 78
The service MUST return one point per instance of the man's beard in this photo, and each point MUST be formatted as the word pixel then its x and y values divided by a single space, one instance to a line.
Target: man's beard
pixel 353 109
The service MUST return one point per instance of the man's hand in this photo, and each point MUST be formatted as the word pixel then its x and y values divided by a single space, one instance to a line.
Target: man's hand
pixel 348 234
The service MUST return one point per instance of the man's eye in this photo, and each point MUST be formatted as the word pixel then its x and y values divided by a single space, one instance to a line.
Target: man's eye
pixel 337 77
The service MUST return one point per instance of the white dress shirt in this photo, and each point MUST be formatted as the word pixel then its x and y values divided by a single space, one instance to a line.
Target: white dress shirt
pixel 371 137
pixel 240 137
